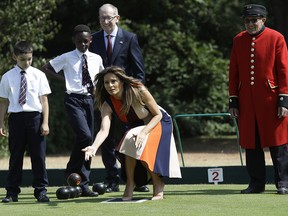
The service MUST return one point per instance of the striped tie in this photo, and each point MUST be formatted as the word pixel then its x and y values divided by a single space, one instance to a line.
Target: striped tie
pixel 86 79
pixel 23 88
pixel 109 48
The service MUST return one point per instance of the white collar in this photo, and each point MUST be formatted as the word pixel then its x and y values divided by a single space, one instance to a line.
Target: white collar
pixel 79 54
pixel 113 33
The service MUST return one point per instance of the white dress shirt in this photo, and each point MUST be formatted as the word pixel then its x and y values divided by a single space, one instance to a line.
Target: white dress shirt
pixel 71 64
pixel 37 85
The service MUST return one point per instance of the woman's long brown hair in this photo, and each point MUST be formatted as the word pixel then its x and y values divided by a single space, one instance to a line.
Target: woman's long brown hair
pixel 132 88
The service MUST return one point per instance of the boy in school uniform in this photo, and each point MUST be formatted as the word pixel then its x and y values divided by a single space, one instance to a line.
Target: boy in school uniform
pixel 23 92
pixel 80 67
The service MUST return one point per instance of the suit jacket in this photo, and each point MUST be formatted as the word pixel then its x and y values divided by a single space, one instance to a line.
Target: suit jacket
pixel 126 52
pixel 258 77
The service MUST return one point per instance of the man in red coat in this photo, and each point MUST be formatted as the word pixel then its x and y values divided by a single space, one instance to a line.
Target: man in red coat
pixel 258 90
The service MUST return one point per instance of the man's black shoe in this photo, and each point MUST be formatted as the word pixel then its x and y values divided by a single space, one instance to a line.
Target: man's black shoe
pixel 88 193
pixel 112 188
pixel 282 190
pixel 143 188
pixel 253 190
pixel 10 198
pixel 43 198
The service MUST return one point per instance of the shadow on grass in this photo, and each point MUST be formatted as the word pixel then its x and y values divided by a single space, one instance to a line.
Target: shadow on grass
pixel 54 201
pixel 27 198
pixel 211 192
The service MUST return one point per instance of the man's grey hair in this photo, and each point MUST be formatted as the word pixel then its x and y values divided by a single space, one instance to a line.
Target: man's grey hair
pixel 115 9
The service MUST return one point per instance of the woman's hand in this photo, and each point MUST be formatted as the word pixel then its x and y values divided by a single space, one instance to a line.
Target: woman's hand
pixel 139 139
pixel 89 152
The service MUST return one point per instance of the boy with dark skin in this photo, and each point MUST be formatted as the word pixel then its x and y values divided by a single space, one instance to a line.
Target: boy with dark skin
pixel 80 67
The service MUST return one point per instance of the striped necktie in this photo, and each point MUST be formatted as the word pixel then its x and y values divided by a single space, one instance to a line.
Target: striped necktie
pixel 23 89
pixel 109 48
pixel 86 79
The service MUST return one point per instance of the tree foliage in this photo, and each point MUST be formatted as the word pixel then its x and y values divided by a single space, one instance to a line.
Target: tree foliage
pixel 25 20
pixel 187 72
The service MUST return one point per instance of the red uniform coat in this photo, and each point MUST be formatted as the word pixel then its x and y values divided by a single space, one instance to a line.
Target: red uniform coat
pixel 258 74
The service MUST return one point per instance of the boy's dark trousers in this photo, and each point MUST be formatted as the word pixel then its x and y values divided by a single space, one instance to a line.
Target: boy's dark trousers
pixel 24 131
pixel 80 111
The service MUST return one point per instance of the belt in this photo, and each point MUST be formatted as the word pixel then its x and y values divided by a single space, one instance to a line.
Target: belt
pixel 79 95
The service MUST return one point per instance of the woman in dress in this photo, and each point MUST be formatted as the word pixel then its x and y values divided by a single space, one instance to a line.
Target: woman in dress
pixel 148 145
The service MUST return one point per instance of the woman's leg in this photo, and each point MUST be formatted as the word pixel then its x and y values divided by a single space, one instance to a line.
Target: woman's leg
pixel 158 187
pixel 130 164
pixel 158 184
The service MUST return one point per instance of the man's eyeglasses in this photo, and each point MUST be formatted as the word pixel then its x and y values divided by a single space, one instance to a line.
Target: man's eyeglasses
pixel 253 20
pixel 108 18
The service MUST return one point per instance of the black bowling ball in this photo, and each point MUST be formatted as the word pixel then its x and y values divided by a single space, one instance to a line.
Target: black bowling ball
pixel 73 192
pixel 63 193
pixel 79 191
pixel 100 188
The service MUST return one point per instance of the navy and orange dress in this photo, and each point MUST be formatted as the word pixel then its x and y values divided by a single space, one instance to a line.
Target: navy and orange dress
pixel 158 150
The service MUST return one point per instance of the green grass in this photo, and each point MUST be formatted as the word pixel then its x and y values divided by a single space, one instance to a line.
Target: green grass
pixel 198 200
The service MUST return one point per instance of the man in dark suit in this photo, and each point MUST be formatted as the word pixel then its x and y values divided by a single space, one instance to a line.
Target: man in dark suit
pixel 120 48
